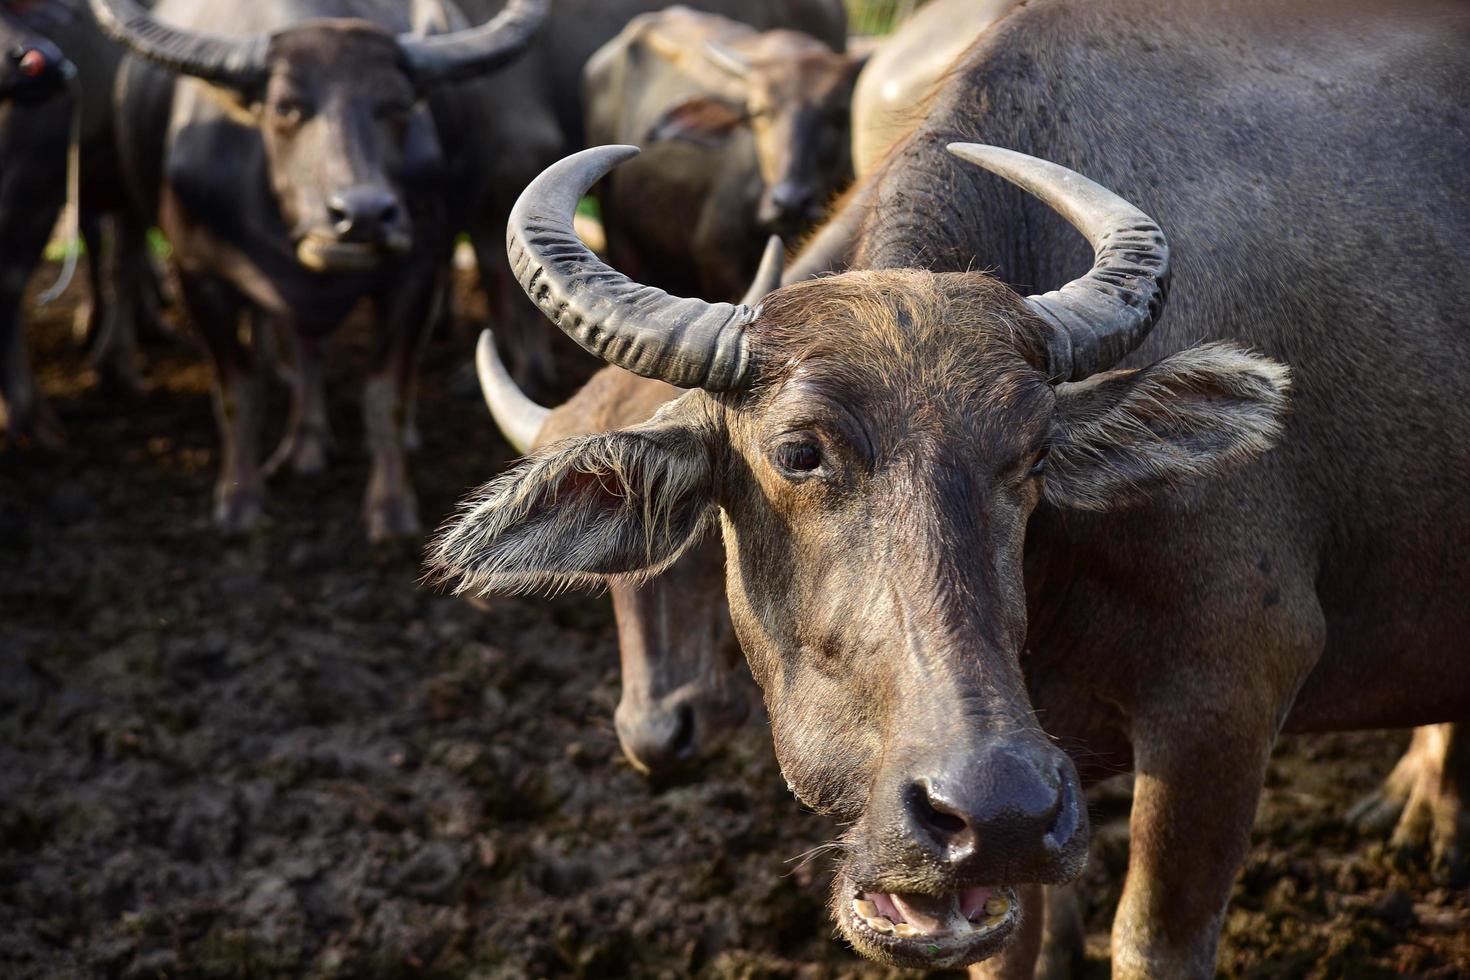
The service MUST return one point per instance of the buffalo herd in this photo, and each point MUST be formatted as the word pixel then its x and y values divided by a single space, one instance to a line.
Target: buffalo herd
pixel 1073 387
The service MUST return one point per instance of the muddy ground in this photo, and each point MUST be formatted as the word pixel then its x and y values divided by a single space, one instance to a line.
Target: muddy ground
pixel 277 755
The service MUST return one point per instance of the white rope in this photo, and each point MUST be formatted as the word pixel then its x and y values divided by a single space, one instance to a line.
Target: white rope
pixel 72 217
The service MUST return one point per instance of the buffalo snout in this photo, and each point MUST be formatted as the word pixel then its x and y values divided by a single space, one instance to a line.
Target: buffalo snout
pixel 358 227
pixel 366 214
pixel 34 69
pixel 664 735
pixel 788 206
pixel 1009 812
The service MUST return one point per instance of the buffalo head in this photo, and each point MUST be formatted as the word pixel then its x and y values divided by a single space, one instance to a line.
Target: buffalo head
pixel 872 445
pixel 795 94
pixel 339 106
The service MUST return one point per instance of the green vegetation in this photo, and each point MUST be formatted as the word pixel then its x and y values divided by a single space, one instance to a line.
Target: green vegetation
pixel 877 16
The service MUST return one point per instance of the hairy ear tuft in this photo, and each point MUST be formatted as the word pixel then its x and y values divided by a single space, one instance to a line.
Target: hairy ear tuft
pixel 583 510
pixel 1195 415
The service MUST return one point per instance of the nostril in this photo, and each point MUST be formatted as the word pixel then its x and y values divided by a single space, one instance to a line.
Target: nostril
pixel 337 212
pixel 389 214
pixel 682 742
pixel 942 822
pixel 1067 815
pixel 793 200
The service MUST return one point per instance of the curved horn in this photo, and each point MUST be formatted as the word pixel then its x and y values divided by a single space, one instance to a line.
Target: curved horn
pixel 1098 319
pixel 517 417
pixel 239 62
pixel 725 59
pixel 685 342
pixel 768 273
pixel 467 54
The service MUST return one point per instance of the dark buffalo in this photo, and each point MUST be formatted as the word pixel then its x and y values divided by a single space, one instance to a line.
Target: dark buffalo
pixel 745 135
pixel 290 152
pixel 117 263
pixel 532 114
pixel 36 109
pixel 953 515
pixel 683 690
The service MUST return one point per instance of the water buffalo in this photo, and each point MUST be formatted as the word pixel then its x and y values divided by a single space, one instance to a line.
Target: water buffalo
pixel 117 263
pixel 683 692
pixel 290 152
pixel 745 135
pixel 953 515
pixel 35 124
pixel 532 114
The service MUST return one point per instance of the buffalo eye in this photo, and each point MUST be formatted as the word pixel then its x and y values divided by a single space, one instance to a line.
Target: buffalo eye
pixel 289 112
pixel 1038 465
pixel 799 458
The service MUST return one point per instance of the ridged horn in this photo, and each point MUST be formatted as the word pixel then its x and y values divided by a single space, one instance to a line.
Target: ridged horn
pixel 768 273
pixel 689 343
pixel 1098 319
pixel 470 53
pixel 238 62
pixel 517 417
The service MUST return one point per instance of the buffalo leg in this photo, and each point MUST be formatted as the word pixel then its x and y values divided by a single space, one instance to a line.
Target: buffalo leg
pixel 308 439
pixel 215 308
pixel 87 324
pixel 26 414
pixel 1426 801
pixel 389 507
pixel 1063 938
pixel 1190 826
pixel 126 270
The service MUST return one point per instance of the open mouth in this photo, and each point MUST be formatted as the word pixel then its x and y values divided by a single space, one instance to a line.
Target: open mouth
pixel 321 254
pixel 929 931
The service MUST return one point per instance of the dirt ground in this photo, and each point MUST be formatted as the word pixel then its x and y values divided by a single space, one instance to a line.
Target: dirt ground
pixel 277 755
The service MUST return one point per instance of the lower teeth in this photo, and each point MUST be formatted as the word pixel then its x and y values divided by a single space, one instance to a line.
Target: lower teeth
pixel 995 913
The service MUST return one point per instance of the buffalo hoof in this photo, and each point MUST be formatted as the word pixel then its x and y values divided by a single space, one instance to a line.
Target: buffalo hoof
pixel 392 518
pixel 1425 804
pixel 39 431
pixel 238 510
pixel 305 452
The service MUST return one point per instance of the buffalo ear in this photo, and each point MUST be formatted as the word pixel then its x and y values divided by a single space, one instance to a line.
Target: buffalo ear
pixel 582 510
pixel 1195 415
pixel 703 120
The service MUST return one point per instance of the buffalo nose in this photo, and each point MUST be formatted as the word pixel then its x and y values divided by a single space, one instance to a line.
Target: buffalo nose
pixel 1004 806
pixel 658 740
pixel 789 202
pixel 363 213
pixel 791 198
